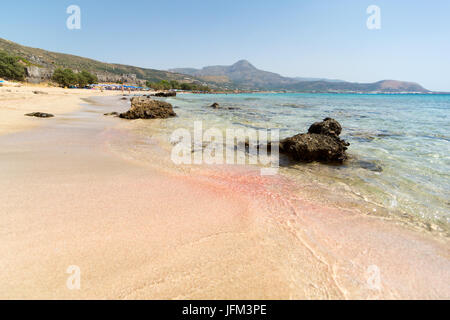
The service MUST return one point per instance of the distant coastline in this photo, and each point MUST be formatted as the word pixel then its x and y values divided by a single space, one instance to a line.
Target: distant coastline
pixel 241 77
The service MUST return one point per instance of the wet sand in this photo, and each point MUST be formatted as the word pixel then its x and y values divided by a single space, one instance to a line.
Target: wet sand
pixel 137 232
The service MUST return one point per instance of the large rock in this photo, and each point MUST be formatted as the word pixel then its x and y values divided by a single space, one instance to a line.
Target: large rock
pixel 321 143
pixel 37 74
pixel 328 126
pixel 146 108
pixel 165 94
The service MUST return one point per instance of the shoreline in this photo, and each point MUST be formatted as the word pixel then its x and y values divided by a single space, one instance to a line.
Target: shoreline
pixel 137 232
pixel 15 101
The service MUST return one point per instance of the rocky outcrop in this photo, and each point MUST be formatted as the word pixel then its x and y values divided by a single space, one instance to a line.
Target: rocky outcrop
pixel 215 105
pixel 36 74
pixel 328 126
pixel 165 94
pixel 321 143
pixel 146 108
pixel 120 78
pixel 40 115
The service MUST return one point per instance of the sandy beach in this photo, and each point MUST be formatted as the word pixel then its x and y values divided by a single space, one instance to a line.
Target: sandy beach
pixel 15 101
pixel 136 232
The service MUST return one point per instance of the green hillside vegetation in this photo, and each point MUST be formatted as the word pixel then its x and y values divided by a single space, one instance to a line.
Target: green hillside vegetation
pixel 11 68
pixel 167 85
pixel 53 60
pixel 68 78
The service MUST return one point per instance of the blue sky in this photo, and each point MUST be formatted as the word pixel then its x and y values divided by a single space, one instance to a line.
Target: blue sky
pixel 307 38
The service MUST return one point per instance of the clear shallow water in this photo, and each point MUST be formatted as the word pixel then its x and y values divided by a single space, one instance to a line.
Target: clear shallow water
pixel 400 144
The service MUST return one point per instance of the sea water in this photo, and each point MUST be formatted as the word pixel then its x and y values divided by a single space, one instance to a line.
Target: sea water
pixel 399 157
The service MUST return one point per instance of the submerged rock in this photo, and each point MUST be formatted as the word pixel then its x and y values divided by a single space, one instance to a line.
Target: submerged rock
pixel 146 108
pixel 369 165
pixel 112 114
pixel 321 143
pixel 215 105
pixel 39 115
pixel 40 92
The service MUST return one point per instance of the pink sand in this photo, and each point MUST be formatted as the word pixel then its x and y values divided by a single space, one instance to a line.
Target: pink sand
pixel 137 232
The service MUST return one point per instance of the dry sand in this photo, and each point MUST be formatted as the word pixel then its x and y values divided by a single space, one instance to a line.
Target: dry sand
pixel 139 233
pixel 15 101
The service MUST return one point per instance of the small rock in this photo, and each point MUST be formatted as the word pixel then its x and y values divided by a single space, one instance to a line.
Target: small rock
pixel 215 105
pixel 40 115
pixel 40 92
pixel 112 114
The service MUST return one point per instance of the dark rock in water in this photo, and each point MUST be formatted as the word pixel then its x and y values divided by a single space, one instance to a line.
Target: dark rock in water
pixel 124 98
pixel 40 92
pixel 112 114
pixel 165 94
pixel 40 115
pixel 314 147
pixel 321 143
pixel 215 105
pixel 328 126
pixel 146 108
pixel 370 165
pixel 363 137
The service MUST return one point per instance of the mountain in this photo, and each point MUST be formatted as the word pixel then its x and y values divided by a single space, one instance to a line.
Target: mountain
pixel 241 75
pixel 384 86
pixel 244 75
pixel 44 62
pixel 317 79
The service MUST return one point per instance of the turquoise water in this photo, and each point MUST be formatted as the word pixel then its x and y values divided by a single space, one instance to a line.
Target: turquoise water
pixel 400 144
pixel 399 157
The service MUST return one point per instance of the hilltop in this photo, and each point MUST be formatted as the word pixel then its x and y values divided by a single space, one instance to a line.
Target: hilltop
pixel 42 64
pixel 241 75
pixel 244 75
pixel 383 86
